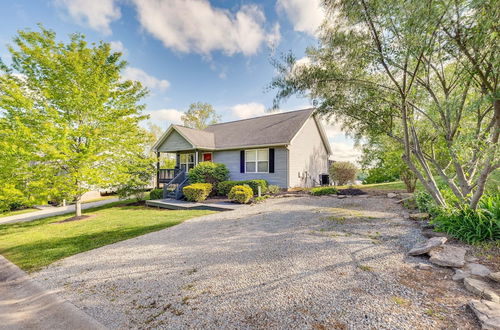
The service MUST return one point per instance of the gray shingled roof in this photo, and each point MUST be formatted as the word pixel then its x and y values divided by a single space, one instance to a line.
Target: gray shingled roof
pixel 272 129
pixel 275 129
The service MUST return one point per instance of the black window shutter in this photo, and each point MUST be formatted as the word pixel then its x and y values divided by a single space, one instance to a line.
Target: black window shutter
pixel 177 160
pixel 271 160
pixel 242 161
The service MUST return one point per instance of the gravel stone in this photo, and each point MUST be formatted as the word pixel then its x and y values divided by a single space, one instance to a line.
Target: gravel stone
pixel 302 263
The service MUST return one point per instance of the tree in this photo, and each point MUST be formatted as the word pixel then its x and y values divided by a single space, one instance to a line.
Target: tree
pixel 72 118
pixel 343 172
pixel 381 158
pixel 424 73
pixel 200 115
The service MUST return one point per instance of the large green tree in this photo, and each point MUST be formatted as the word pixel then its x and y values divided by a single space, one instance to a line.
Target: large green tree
pixel 200 115
pixel 423 72
pixel 68 120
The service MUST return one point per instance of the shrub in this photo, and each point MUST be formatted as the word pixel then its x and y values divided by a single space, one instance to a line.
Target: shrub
pixel 273 189
pixel 225 187
pixel 343 172
pixel 208 172
pixel 156 194
pixel 197 192
pixel 241 194
pixel 472 226
pixel 425 203
pixel 319 191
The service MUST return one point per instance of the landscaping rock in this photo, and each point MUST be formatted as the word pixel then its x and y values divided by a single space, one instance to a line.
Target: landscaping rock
pixel 431 233
pixel 487 312
pixel 427 246
pixel 469 270
pixel 423 266
pixel 495 276
pixel 419 216
pixel 471 259
pixel 341 196
pixel 392 195
pixel 448 256
pixel 481 288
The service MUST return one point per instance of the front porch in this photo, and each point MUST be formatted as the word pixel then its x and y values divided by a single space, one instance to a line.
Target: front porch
pixel 174 204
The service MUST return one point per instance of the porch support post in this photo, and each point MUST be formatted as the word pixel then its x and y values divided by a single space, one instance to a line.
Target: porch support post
pixel 195 157
pixel 157 170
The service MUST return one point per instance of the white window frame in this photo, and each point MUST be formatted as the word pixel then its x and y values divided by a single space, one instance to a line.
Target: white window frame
pixel 188 162
pixel 257 160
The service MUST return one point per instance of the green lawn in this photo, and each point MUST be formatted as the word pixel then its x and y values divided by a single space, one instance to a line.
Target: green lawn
pixel 8 214
pixel 32 245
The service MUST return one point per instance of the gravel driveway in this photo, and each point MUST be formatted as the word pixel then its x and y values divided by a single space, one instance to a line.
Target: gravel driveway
pixel 297 262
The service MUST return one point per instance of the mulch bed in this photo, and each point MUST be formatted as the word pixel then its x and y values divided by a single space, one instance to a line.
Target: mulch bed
pixel 351 191
pixel 82 217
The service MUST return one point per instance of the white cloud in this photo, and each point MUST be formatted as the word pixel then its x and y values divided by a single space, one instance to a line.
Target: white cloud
pixel 131 73
pixel 196 26
pixel 117 47
pixel 342 151
pixel 96 14
pixel 249 110
pixel 305 15
pixel 172 116
pixel 332 131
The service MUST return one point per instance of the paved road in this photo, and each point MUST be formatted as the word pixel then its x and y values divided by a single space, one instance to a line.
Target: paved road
pixel 49 212
pixel 25 305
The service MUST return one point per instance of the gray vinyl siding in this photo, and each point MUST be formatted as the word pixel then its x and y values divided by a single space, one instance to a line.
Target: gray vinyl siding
pixel 174 142
pixel 308 156
pixel 231 158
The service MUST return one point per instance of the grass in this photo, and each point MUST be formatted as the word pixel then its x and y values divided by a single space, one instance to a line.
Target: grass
pixel 16 212
pixel 33 245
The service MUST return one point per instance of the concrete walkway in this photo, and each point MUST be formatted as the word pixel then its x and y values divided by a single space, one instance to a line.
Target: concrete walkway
pixel 25 305
pixel 49 212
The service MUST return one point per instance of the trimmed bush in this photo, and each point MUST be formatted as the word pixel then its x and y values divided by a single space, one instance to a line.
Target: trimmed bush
pixel 197 192
pixel 319 191
pixel 208 172
pixel 273 189
pixel 343 172
pixel 156 194
pixel 241 194
pixel 224 187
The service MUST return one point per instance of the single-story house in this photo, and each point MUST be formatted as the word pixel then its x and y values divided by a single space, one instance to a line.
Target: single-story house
pixel 288 149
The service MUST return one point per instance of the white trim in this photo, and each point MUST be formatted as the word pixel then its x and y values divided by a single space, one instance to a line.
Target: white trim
pixel 165 135
pixel 256 160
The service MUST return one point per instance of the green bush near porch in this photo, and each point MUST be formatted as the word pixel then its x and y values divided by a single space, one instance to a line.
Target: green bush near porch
pixel 197 192
pixel 241 194
pixel 156 194
pixel 208 172
pixel 225 187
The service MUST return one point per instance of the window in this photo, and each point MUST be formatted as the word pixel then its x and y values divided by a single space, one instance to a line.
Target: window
pixel 187 162
pixel 257 161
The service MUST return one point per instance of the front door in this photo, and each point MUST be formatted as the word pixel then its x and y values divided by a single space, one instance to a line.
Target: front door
pixel 207 156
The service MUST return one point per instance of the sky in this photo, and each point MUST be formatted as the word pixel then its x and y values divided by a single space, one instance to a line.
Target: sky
pixel 186 51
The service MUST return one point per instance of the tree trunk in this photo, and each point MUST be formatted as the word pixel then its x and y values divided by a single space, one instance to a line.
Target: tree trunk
pixel 78 206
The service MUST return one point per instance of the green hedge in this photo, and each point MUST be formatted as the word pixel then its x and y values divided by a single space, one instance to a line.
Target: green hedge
pixel 224 187
pixel 156 194
pixel 319 191
pixel 241 194
pixel 208 172
pixel 197 192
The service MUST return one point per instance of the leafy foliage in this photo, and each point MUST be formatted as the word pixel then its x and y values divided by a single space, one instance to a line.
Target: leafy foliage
pixel 200 115
pixel 469 225
pixel 241 194
pixel 208 172
pixel 343 172
pixel 273 189
pixel 422 73
pixel 224 187
pixel 68 121
pixel 156 194
pixel 319 191
pixel 197 192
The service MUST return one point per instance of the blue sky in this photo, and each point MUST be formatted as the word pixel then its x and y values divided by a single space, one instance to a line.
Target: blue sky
pixel 189 50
